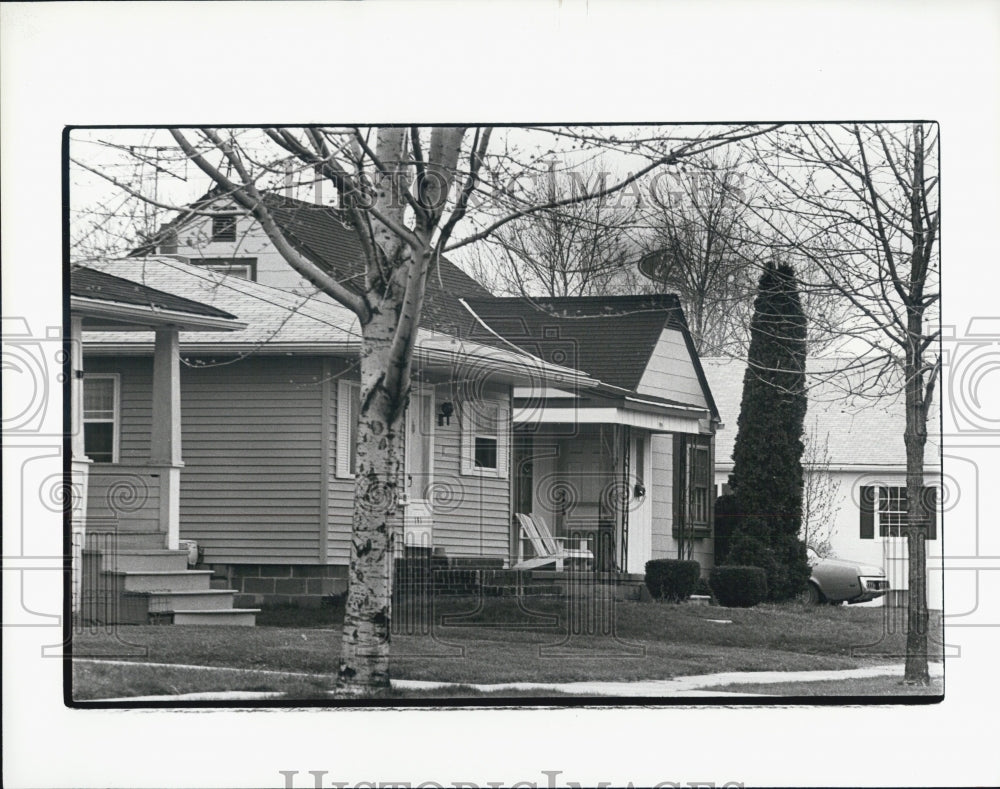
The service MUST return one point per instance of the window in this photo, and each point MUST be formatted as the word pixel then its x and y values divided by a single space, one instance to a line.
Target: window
pixel 100 418
pixel 224 227
pixel 486 427
pixel 701 480
pixel 237 267
pixel 692 507
pixel 885 506
pixel 348 408
pixel 485 438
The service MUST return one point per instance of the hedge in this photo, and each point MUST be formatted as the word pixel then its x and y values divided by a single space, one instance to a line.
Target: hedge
pixel 737 586
pixel 672 579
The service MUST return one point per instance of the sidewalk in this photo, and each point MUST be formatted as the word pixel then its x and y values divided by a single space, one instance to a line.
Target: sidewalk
pixel 681 687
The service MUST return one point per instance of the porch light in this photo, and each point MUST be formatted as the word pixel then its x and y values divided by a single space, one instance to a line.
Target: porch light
pixel 444 415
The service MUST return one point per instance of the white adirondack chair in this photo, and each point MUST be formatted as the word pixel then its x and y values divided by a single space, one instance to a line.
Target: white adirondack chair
pixel 547 549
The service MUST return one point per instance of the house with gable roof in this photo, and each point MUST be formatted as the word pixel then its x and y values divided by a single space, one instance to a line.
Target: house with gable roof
pixel 861 464
pixel 593 414
pixel 629 460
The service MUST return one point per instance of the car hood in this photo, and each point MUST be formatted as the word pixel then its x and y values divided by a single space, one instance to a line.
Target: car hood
pixel 861 569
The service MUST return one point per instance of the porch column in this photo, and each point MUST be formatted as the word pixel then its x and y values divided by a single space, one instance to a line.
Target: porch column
pixel 165 448
pixel 79 462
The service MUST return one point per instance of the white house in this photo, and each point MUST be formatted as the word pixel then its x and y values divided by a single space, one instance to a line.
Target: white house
pixel 855 453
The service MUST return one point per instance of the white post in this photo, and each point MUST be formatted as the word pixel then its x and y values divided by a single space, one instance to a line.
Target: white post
pixel 165 449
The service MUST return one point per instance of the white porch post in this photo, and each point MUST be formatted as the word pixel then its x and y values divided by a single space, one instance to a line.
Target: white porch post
pixel 79 462
pixel 165 449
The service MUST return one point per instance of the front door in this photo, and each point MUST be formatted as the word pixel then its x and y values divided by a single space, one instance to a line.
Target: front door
pixel 418 520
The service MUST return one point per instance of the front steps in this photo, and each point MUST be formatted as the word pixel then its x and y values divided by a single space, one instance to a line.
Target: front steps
pixel 130 578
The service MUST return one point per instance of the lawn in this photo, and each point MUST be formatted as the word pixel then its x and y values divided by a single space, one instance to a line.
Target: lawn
pixel 499 640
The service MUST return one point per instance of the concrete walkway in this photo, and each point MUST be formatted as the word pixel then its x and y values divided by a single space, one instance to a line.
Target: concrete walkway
pixel 689 686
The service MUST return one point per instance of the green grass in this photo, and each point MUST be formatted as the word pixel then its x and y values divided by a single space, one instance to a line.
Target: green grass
pixel 97 681
pixel 502 641
pixel 870 686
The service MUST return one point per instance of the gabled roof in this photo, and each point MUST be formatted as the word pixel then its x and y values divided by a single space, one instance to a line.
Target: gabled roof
pixel 858 431
pixel 611 338
pixel 89 283
pixel 320 234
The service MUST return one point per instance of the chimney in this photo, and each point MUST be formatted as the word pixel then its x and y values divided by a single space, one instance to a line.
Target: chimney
pixel 318 185
pixel 288 178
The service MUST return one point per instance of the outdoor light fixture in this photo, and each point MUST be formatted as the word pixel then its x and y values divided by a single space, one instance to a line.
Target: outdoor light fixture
pixel 444 415
pixel 639 490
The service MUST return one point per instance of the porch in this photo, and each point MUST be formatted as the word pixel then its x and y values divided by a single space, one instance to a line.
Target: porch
pixel 632 489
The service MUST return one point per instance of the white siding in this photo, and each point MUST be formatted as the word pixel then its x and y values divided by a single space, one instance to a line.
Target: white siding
pixel 194 241
pixel 471 513
pixel 670 373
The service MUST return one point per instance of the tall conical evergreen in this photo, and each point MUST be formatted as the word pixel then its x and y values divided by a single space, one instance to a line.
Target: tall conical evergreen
pixel 767 456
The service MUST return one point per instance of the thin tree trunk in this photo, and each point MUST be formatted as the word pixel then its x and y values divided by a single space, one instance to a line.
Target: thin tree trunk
pixel 915 438
pixel 364 662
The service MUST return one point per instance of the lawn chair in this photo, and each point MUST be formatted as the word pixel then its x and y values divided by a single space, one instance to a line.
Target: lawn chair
pixel 547 549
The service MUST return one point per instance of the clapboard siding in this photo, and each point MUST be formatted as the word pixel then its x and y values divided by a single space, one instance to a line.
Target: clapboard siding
pixel 670 373
pixel 125 494
pixel 471 513
pixel 252 483
pixel 245 424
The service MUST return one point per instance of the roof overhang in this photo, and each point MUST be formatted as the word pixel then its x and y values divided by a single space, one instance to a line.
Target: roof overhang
pixel 101 315
pixel 656 423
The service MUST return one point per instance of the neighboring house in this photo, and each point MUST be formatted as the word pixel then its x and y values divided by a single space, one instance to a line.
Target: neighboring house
pixel 855 461
pixel 629 460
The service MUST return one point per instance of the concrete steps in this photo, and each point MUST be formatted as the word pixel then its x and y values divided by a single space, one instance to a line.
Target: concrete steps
pixel 161 581
pixel 232 617
pixel 130 578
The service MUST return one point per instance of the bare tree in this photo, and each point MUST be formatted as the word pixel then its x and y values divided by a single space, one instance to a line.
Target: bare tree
pixel 404 191
pixel 860 202
pixel 581 249
pixel 697 246
pixel 820 491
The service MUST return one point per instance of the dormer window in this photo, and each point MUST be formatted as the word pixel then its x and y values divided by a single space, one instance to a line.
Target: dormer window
pixel 224 227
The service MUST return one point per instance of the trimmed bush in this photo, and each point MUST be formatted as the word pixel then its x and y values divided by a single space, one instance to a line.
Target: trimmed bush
pixel 672 579
pixel 737 586
pixel 782 557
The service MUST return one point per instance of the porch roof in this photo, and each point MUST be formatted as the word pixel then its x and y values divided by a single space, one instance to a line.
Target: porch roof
pixel 109 303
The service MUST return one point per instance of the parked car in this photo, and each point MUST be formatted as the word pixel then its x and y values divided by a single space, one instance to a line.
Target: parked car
pixel 835 581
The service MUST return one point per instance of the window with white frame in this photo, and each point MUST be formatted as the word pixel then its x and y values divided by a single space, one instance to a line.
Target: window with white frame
pixel 100 417
pixel 484 451
pixel 348 408
pixel 885 507
pixel 485 438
